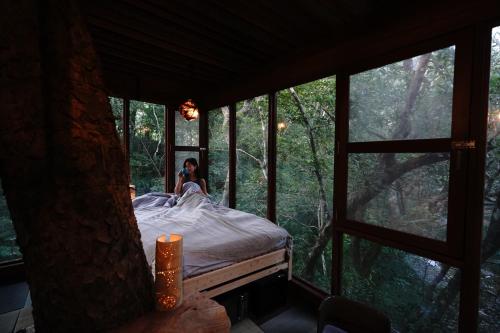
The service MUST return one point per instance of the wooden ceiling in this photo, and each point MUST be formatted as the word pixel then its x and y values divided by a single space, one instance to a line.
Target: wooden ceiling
pixel 167 51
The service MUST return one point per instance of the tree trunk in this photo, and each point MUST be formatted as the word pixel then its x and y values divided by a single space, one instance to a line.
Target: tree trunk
pixel 64 174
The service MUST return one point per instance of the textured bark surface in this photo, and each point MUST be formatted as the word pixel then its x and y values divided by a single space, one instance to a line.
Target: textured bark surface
pixel 64 173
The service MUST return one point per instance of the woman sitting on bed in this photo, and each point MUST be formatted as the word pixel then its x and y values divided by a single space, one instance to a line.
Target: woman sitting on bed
pixel 192 167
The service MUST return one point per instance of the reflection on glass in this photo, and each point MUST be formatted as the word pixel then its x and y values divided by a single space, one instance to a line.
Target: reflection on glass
pixel 147 146
pixel 218 159
pixel 117 108
pixel 418 294
pixel 8 246
pixel 405 192
pixel 251 151
pixel 305 153
pixel 410 99
pixel 186 132
pixel 489 305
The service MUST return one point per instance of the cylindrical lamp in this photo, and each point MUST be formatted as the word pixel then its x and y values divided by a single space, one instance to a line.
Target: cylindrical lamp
pixel 168 272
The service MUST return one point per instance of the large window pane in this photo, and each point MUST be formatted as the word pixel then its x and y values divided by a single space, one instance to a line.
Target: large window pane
pixel 186 132
pixel 406 192
pixel 489 312
pixel 305 153
pixel 147 146
pixel 8 246
pixel 251 151
pixel 218 159
pixel 410 99
pixel 418 294
pixel 117 108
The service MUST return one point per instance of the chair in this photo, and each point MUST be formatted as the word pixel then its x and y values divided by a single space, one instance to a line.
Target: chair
pixel 350 316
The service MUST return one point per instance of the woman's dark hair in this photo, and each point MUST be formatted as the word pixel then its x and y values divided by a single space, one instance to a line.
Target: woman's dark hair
pixel 194 162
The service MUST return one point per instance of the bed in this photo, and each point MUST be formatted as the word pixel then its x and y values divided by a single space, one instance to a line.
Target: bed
pixel 223 248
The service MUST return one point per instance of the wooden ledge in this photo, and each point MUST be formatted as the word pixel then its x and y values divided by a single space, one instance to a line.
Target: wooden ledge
pixel 197 314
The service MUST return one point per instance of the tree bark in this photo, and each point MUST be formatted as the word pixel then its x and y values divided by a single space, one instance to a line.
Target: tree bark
pixel 64 174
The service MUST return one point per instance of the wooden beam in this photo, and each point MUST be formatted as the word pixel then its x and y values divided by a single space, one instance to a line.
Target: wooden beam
pixel 232 156
pixel 126 133
pixel 245 280
pixel 478 107
pixel 228 273
pixel 271 158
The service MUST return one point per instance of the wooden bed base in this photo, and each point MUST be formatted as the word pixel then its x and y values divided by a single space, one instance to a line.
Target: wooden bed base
pixel 230 277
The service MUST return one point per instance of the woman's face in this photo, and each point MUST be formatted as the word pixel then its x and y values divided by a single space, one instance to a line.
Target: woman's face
pixel 191 168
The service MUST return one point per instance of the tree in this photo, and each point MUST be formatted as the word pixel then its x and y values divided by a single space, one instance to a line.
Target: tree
pixel 64 174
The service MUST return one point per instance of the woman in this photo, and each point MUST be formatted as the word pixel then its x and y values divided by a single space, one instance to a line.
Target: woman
pixel 192 166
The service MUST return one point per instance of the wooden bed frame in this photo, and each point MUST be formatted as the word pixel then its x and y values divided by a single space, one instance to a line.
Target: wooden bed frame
pixel 230 277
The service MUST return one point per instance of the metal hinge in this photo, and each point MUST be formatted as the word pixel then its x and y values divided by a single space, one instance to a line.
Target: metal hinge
pixel 463 145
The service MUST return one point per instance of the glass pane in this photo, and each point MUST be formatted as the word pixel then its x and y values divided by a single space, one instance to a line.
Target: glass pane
pixel 117 108
pixel 181 156
pixel 406 192
pixel 418 294
pixel 186 132
pixel 489 305
pixel 410 99
pixel 8 246
pixel 305 174
pixel 218 159
pixel 147 146
pixel 251 151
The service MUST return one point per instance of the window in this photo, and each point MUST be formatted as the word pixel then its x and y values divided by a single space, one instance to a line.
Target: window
pixel 305 152
pixel 218 160
pixel 186 132
pixel 418 294
pixel 399 149
pixel 117 108
pixel 409 99
pixel 489 306
pixel 147 146
pixel 415 202
pixel 9 249
pixel 251 152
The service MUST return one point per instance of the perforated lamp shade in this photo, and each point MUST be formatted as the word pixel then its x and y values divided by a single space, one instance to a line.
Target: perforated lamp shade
pixel 189 110
pixel 168 272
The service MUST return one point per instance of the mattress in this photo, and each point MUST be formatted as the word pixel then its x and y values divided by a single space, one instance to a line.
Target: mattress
pixel 214 236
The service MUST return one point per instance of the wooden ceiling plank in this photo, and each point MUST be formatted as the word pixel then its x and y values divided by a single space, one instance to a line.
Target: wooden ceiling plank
pixel 196 28
pixel 226 25
pixel 164 44
pixel 134 55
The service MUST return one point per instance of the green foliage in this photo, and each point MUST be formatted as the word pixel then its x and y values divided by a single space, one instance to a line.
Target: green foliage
pixel 147 146
pixel 8 245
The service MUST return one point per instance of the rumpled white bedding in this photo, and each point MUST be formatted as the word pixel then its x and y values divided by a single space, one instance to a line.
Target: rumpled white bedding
pixel 214 236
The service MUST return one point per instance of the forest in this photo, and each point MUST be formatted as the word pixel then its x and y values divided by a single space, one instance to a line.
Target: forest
pixel 410 99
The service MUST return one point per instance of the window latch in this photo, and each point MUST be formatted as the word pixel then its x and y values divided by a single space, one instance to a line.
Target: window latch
pixel 463 145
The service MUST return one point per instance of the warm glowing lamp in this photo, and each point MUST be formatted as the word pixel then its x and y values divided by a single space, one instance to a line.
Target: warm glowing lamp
pixel 132 191
pixel 281 126
pixel 189 110
pixel 168 272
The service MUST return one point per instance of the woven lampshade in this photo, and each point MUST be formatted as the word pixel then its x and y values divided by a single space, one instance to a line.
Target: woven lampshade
pixel 168 272
pixel 189 110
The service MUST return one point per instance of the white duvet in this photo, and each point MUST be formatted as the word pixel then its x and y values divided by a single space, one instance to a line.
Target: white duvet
pixel 214 236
